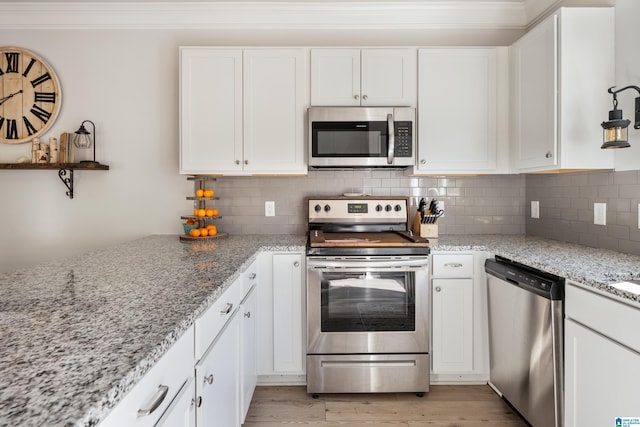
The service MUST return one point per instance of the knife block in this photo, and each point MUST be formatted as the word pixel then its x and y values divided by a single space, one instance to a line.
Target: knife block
pixel 430 231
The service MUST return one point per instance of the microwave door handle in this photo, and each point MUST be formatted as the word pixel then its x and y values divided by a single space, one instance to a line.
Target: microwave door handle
pixel 392 139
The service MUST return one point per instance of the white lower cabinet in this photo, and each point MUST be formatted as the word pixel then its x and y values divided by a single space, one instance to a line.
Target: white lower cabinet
pixel 155 392
pixel 602 359
pixel 281 302
pixel 182 412
pixel 459 334
pixel 248 348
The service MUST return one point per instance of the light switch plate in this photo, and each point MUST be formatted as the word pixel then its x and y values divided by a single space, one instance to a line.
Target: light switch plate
pixel 270 208
pixel 600 213
pixel 535 209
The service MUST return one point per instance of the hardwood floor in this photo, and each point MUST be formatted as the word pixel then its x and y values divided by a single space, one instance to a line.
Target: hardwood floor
pixel 442 406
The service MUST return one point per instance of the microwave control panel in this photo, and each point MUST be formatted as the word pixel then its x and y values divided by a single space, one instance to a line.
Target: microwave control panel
pixel 403 136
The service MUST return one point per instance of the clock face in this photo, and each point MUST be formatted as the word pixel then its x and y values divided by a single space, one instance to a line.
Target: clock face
pixel 30 96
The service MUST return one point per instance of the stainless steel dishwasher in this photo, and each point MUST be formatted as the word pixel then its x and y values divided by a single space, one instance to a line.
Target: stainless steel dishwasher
pixel 526 308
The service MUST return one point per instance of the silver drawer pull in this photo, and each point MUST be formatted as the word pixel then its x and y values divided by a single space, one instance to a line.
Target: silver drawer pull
pixel 296 264
pixel 453 264
pixel 247 315
pixel 208 379
pixel 252 276
pixel 157 400
pixel 438 288
pixel 197 402
pixel 227 309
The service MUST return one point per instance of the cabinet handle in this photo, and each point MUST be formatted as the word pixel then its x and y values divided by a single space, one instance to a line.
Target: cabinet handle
pixel 356 97
pixel 438 288
pixel 453 264
pixel 197 402
pixel 252 276
pixel 365 97
pixel 237 162
pixel 423 162
pixel 548 155
pixel 296 264
pixel 157 400
pixel 246 162
pixel 227 309
pixel 247 315
pixel 208 379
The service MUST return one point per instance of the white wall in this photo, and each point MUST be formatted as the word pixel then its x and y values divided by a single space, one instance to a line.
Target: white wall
pixel 126 82
pixel 628 73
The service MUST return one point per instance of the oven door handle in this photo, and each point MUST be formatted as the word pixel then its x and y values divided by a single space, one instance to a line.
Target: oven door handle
pixel 369 264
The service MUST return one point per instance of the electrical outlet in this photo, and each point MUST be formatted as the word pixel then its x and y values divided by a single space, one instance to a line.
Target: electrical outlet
pixel 270 208
pixel 535 209
pixel 600 213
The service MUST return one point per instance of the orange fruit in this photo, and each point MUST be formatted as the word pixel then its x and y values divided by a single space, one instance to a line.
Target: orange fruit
pixel 195 212
pixel 194 232
pixel 190 222
pixel 210 227
pixel 209 212
pixel 204 232
pixel 214 212
pixel 202 212
pixel 213 232
pixel 208 193
pixel 199 192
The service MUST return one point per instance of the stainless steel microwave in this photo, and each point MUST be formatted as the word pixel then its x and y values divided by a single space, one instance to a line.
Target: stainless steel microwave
pixel 362 136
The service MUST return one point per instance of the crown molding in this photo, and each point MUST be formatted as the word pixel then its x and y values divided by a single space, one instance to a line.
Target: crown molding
pixel 313 15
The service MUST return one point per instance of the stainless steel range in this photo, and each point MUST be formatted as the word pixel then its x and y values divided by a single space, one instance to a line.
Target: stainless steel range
pixel 367 297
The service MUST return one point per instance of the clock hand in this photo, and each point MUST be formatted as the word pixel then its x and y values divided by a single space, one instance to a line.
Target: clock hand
pixel 2 100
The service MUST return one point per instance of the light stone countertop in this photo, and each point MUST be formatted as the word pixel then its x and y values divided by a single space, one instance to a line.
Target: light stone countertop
pixel 76 335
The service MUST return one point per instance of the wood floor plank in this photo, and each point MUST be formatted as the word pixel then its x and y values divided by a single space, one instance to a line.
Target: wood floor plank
pixel 442 406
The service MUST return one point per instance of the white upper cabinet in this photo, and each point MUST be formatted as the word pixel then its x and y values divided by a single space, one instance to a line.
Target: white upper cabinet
pixel 363 77
pixel 561 71
pixel 462 110
pixel 242 110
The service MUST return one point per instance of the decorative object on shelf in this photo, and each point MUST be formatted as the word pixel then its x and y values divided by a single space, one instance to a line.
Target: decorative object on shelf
pixel 615 129
pixel 199 226
pixel 31 95
pixel 82 139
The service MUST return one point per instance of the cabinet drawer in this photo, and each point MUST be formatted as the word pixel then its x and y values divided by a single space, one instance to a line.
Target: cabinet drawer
pixel 453 265
pixel 604 315
pixel 161 384
pixel 213 320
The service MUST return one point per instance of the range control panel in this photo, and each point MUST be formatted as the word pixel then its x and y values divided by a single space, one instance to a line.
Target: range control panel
pixel 347 210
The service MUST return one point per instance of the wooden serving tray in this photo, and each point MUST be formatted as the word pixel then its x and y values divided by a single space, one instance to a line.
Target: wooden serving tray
pixel 185 238
pixel 381 239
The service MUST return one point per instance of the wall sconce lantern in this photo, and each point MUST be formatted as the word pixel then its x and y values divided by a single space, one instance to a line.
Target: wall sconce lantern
pixel 82 139
pixel 615 130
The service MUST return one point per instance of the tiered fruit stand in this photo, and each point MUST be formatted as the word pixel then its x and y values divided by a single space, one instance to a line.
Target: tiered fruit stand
pixel 201 203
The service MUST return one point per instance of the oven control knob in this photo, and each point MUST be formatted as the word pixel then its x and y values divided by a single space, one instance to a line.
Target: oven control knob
pixel 397 208
pixel 318 208
pixel 388 208
pixel 327 208
pixel 378 208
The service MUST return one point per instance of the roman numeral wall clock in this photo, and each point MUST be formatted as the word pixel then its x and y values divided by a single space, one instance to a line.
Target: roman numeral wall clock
pixel 30 95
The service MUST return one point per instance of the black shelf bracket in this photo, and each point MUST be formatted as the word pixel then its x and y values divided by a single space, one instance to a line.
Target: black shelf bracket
pixel 67 180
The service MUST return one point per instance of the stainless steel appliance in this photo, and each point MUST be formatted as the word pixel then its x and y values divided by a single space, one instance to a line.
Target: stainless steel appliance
pixel 526 308
pixel 361 137
pixel 367 297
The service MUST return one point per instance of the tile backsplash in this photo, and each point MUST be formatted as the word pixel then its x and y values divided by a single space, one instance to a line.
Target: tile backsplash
pixel 492 204
pixel 567 212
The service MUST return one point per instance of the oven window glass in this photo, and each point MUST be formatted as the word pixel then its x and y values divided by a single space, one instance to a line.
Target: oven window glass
pixel 368 302
pixel 349 139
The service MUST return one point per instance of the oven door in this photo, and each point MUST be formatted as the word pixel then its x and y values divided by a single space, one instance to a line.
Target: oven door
pixel 367 305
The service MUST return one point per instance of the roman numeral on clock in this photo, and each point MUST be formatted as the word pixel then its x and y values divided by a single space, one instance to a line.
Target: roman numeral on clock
pixel 45 97
pixel 13 58
pixel 26 70
pixel 43 78
pixel 40 113
pixel 12 129
pixel 27 124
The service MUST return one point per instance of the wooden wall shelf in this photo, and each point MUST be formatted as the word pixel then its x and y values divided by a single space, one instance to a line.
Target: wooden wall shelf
pixel 63 169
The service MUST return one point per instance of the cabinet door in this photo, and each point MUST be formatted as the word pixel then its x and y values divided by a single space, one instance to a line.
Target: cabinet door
pixel 388 77
pixel 335 77
pixel 288 313
pixel 535 101
pixel 210 110
pixel 457 85
pixel 217 379
pixel 248 352
pixel 275 101
pixel 182 412
pixel 601 378
pixel 452 325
